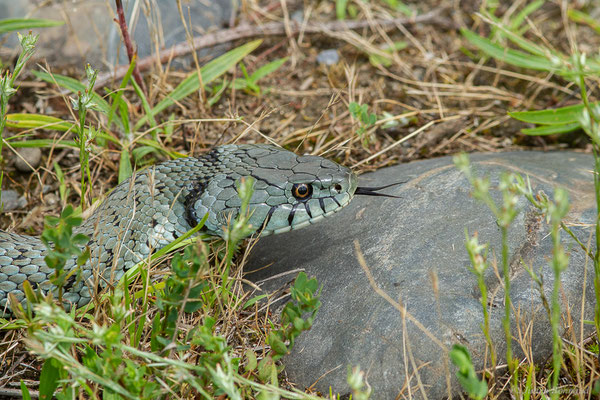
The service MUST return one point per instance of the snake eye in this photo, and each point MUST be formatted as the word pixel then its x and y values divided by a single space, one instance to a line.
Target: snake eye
pixel 301 191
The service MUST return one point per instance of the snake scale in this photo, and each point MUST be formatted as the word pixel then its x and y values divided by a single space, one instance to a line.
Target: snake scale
pixel 161 203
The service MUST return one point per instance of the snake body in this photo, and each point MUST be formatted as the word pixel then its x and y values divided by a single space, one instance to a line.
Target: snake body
pixel 161 203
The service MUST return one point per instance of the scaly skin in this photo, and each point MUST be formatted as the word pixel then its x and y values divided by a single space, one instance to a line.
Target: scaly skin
pixel 161 203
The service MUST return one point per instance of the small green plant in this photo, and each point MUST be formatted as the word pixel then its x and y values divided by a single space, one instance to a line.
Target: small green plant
pixel 512 185
pixel 366 120
pixel 467 377
pixel 384 57
pixel 63 190
pixel 7 87
pixel 576 68
pixel 505 214
pixel 304 301
pixel 183 292
pixel 249 83
pixel 82 104
pixel 478 257
pixel 356 381
pixel 63 245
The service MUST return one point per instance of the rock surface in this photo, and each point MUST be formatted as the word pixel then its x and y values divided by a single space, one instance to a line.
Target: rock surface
pixel 91 36
pixel 414 248
pixel 11 200
pixel 28 159
pixel 328 57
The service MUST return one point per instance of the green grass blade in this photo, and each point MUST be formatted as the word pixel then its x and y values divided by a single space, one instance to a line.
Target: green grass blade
pixel 509 56
pixel 117 97
pixel 146 106
pixel 160 148
pixel 49 378
pixel 551 129
pixel 24 391
pixel 516 22
pixel 39 121
pixel 340 9
pixel 43 143
pixel 557 116
pixel 583 18
pixel 18 24
pixel 209 72
pixel 125 169
pixel 74 86
pixel 267 69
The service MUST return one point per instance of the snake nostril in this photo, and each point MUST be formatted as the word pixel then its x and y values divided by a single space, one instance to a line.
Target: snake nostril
pixel 337 187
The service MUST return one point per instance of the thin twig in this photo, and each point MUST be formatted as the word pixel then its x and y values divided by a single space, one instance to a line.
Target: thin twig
pixel 127 40
pixel 18 393
pixel 269 29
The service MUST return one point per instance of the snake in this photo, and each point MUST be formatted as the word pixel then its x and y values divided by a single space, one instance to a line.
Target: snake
pixel 158 204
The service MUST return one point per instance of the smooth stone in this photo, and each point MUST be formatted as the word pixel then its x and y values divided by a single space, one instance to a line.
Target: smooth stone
pixel 328 57
pixel 28 159
pixel 411 246
pixel 91 35
pixel 12 200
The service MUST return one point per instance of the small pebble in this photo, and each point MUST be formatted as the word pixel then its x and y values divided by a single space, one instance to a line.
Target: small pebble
pixel 328 57
pixel 12 201
pixel 298 16
pixel 28 159
pixel 50 199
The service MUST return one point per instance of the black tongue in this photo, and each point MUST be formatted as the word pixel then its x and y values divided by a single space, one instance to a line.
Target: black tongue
pixel 373 191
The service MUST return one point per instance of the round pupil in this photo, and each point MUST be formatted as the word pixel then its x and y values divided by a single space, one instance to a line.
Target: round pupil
pixel 302 191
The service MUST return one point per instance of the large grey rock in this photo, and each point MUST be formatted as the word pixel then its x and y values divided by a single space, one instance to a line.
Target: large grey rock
pixel 414 248
pixel 90 34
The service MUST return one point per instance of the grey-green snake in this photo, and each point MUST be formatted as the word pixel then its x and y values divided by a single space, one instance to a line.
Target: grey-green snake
pixel 163 202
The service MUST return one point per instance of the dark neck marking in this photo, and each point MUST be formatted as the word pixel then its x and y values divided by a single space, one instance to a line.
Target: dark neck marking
pixel 190 213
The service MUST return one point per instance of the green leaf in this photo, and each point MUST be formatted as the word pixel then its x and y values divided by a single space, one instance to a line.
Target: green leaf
pixel 49 379
pixel 551 129
pixel 524 13
pixel 340 9
pixel 37 121
pixel 125 169
pixel 380 59
pixel 43 143
pixel 209 73
pixel 24 391
pixel 74 86
pixel 581 17
pixel 267 69
pixel 509 56
pixel 277 344
pixel 557 116
pixel 17 24
pixel 467 377
pixel 117 96
pixel 253 301
pixel 252 362
pixel 140 152
pixel 400 6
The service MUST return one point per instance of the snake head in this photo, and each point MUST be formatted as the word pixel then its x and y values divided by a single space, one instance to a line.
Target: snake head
pixel 290 191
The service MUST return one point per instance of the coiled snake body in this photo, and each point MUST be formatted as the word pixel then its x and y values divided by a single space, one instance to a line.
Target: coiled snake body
pixel 161 203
